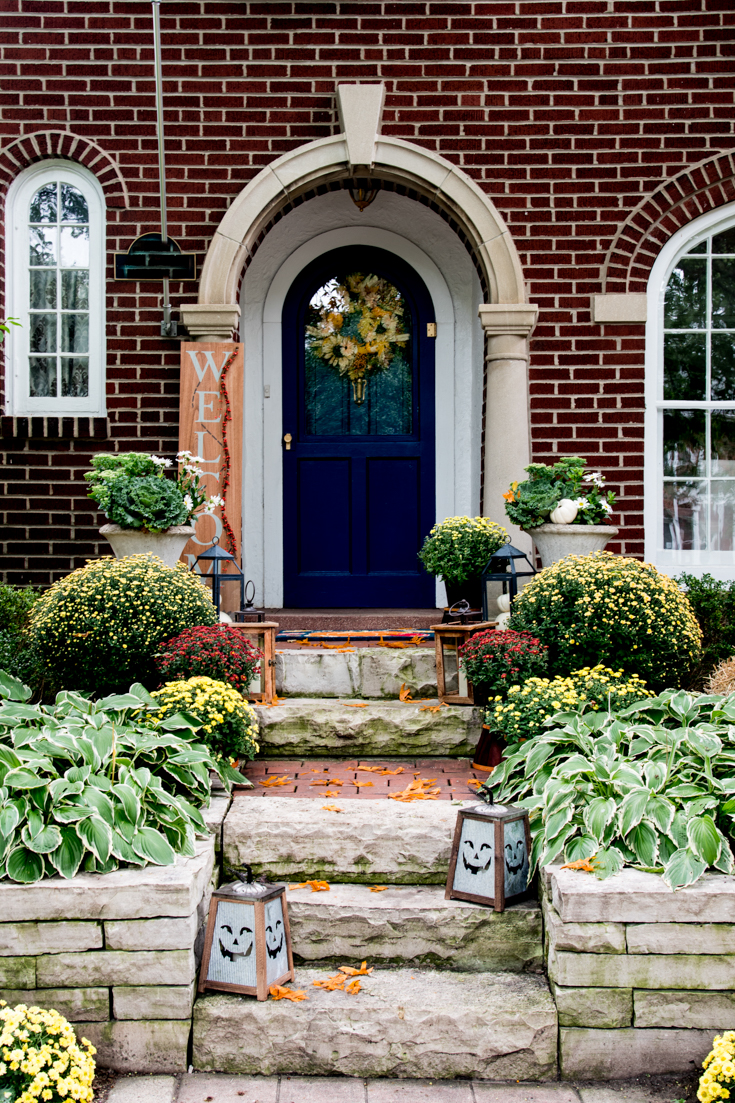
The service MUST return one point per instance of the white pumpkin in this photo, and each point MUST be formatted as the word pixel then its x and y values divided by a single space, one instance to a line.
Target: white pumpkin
pixel 564 513
pixel 503 601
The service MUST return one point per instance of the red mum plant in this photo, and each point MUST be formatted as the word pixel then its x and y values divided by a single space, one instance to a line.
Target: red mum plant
pixel 221 653
pixel 495 661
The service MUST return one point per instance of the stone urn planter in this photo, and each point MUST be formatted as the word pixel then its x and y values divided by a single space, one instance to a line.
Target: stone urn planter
pixel 167 545
pixel 555 541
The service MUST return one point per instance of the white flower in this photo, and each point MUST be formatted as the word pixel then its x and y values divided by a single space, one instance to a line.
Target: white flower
pixel 211 504
pixel 606 506
pixel 594 477
pixel 582 503
pixel 160 462
pixel 188 502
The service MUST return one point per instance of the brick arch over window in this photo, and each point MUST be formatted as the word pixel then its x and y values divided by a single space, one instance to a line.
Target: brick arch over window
pixel 686 196
pixel 31 148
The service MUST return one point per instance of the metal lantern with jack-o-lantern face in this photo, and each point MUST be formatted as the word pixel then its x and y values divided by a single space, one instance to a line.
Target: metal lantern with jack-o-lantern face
pixel 247 947
pixel 490 856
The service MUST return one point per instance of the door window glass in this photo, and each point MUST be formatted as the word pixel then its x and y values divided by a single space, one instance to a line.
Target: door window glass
pixel 358 377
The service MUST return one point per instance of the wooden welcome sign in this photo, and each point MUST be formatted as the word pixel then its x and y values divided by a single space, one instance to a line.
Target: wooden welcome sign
pixel 210 426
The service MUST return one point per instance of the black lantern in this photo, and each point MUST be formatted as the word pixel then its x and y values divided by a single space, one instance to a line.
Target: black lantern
pixel 219 574
pixel 247 947
pixel 490 858
pixel 502 568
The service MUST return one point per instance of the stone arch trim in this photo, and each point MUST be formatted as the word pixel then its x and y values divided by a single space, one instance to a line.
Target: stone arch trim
pixel 395 161
pixel 691 193
pixel 46 144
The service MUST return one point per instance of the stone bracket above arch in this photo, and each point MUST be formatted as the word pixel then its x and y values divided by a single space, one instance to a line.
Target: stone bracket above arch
pixel 42 144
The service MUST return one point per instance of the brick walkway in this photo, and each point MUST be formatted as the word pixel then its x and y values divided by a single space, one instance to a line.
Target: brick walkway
pixel 360 778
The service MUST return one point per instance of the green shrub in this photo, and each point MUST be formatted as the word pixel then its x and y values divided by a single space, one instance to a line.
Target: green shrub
pixel 16 654
pixel 495 661
pixel 602 608
pixel 90 784
pixel 228 724
pixel 99 628
pixel 523 712
pixel 651 786
pixel 459 547
pixel 713 602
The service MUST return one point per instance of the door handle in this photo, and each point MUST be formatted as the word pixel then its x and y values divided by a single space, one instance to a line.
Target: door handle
pixel 287 441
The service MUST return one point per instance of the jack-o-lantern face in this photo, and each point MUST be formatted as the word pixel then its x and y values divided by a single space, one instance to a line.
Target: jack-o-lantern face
pixel 235 943
pixel 274 938
pixel 476 858
pixel 515 856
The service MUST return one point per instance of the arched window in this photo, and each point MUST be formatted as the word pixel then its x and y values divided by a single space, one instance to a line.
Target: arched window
pixel 690 409
pixel 55 287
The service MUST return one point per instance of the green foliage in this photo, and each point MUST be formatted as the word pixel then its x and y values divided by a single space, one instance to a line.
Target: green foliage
pixel 459 547
pixel 652 786
pixel 528 504
pixel 16 654
pixel 713 602
pixel 100 627
pixel 16 603
pixel 228 724
pixel 151 503
pixel 5 326
pixel 522 714
pixel 602 608
pixel 495 661
pixel 88 784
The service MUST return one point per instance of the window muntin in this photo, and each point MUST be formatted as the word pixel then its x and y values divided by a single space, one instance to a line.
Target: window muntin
pixel 56 254
pixel 697 402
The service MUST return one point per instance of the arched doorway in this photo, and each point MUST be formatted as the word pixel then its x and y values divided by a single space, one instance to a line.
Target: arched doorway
pixel 359 432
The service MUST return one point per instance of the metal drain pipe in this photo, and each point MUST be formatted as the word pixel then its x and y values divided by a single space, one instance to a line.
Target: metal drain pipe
pixel 168 328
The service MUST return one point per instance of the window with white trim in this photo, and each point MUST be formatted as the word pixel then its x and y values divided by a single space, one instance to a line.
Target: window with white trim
pixel 56 251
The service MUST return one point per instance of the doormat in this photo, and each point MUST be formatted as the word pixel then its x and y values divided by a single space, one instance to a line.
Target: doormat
pixel 394 637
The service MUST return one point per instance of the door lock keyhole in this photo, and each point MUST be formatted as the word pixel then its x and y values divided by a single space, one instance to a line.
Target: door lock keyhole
pixel 287 441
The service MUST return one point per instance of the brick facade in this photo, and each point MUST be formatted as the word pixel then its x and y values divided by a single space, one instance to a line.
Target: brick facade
pixel 598 127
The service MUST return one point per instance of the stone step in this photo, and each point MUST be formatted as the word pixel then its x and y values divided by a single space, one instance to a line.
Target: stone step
pixel 366 841
pixel 377 672
pixel 413 925
pixel 302 726
pixel 402 1023
pixel 356 620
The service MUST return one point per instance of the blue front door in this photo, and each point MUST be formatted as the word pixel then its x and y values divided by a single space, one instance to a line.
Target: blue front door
pixel 358 406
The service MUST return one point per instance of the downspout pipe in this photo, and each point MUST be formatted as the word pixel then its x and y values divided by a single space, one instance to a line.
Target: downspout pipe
pixel 168 329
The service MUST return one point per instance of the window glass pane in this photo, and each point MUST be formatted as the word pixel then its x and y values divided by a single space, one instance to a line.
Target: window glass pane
pixel 701 248
pixel 684 442
pixel 75 332
pixel 75 246
pixel 722 438
pixel 724 242
pixel 685 516
pixel 43 288
pixel 43 204
pixel 43 246
pixel 723 294
pixel 42 332
pixel 685 366
pixel 722 515
pixel 75 290
pixel 42 376
pixel 73 205
pixel 74 376
pixel 723 367
pixel 685 305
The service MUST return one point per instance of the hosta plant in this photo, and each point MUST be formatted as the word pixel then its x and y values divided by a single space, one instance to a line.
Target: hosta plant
pixel 651 786
pixel 90 785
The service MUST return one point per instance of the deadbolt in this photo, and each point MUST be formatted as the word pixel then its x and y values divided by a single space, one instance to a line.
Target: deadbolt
pixel 287 441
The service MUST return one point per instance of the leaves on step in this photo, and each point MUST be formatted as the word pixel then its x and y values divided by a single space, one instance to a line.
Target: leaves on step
pixel 271 782
pixel 354 705
pixel 434 708
pixel 275 701
pixel 278 992
pixel 315 886
pixel 417 790
pixel 363 784
pixel 331 984
pixel 332 793
pixel 586 865
pixel 382 770
pixel 378 888
pixel 331 807
pixel 404 694
pixel 327 781
pixel 353 987
pixel 363 971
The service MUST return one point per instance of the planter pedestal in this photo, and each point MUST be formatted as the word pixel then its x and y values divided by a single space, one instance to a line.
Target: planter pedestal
pixel 167 545
pixel 555 541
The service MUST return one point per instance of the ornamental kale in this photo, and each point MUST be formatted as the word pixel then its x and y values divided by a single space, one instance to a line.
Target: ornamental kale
pixel 151 503
pixel 529 503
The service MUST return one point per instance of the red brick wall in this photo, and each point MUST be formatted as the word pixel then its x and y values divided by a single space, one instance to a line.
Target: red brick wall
pixel 568 113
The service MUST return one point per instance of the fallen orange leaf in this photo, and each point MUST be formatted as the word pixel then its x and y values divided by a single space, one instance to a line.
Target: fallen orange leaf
pixel 331 793
pixel 328 781
pixel 354 705
pixel 417 790
pixel 270 782
pixel 363 971
pixel 474 781
pixel 276 701
pixel 382 770
pixel 331 807
pixel 316 886
pixel 404 694
pixel 434 708
pixel 378 888
pixel 363 784
pixel 331 984
pixel 278 992
pixel 353 987
pixel 586 865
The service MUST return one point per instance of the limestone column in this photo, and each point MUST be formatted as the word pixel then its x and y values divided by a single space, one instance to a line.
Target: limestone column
pixel 507 426
pixel 211 321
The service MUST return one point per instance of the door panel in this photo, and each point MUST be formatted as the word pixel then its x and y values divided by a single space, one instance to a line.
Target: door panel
pixel 358 401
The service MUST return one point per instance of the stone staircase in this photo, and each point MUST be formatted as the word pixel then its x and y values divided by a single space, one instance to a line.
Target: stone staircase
pixel 456 989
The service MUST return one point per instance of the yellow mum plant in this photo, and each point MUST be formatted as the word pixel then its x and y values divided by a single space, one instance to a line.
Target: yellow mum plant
pixel 40 1057
pixel 523 713
pixel 229 725
pixel 458 548
pixel 718 1078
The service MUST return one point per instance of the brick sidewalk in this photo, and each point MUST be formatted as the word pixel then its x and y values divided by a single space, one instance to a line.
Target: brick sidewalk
pixel 352 779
